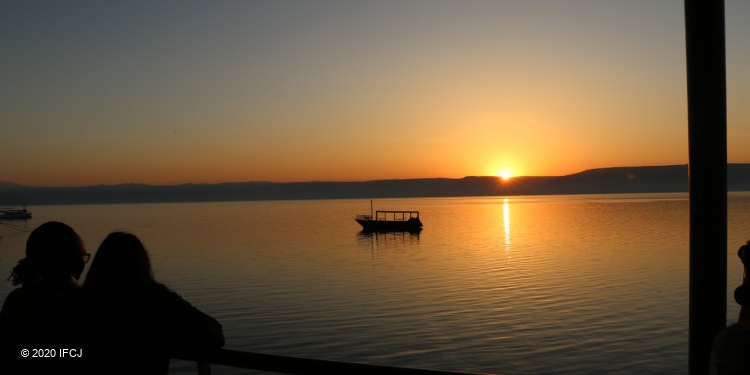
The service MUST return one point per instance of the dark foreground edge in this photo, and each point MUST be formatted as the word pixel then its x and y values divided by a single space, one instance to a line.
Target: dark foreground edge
pixel 295 365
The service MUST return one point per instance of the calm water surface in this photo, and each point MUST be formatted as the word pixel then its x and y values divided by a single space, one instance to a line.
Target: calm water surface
pixel 519 285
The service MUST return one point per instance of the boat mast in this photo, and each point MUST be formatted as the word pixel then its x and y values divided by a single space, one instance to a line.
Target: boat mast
pixel 370 209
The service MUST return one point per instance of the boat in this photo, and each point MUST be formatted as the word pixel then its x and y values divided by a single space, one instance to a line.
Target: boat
pixel 14 213
pixel 390 221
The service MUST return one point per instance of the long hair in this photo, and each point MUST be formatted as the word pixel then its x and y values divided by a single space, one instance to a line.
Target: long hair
pixel 121 264
pixel 54 253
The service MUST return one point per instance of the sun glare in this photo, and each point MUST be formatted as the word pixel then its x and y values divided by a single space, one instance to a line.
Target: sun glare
pixel 505 174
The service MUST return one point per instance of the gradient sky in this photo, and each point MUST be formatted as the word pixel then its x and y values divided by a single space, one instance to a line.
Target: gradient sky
pixel 171 92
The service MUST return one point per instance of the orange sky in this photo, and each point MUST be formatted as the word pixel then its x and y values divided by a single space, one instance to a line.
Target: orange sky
pixel 328 90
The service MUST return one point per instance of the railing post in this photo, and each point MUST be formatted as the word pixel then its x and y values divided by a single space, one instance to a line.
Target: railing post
pixel 707 138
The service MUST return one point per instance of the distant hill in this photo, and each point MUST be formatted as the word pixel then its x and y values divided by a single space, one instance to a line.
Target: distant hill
pixel 656 179
pixel 5 184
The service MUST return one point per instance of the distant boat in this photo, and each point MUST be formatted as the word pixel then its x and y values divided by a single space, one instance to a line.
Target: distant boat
pixel 14 213
pixel 390 221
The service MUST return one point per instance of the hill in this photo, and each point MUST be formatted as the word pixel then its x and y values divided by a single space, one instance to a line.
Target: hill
pixel 5 184
pixel 654 179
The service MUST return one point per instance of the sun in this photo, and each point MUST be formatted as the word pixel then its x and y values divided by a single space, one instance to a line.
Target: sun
pixel 505 174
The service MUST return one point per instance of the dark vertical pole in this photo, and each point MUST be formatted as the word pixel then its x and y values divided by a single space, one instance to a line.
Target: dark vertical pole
pixel 707 137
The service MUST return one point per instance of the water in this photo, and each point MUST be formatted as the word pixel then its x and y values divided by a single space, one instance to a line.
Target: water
pixel 518 285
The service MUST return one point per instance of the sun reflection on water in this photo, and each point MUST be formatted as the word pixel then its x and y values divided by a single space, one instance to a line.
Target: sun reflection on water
pixel 506 226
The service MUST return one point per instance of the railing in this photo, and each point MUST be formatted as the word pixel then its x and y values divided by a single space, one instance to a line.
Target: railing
pixel 384 215
pixel 295 365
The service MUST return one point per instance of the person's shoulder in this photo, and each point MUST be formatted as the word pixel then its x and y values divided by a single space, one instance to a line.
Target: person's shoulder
pixel 738 329
pixel 736 334
pixel 16 293
pixel 22 296
pixel 160 288
pixel 13 298
pixel 160 295
pixel 160 291
pixel 731 345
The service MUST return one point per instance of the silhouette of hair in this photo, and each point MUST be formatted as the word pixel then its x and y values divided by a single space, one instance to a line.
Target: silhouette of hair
pixel 54 252
pixel 121 263
pixel 742 293
pixel 134 324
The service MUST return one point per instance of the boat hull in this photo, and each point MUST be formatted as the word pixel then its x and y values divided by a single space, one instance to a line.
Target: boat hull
pixel 15 214
pixel 411 225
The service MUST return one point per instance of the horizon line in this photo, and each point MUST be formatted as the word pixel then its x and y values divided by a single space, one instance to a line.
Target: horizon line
pixel 8 184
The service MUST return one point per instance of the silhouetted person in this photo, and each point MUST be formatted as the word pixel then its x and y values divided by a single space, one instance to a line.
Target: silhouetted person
pixel 37 315
pixel 132 323
pixel 731 351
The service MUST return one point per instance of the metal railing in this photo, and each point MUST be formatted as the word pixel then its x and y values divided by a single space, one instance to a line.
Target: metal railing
pixel 296 365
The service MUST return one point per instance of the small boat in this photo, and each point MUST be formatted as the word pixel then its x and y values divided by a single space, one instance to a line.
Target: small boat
pixel 390 221
pixel 14 213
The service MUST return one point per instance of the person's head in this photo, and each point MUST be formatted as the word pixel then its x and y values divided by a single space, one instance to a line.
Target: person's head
pixel 121 263
pixel 54 254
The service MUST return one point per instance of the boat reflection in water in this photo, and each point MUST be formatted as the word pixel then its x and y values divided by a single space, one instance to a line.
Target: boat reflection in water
pixel 387 244
pixel 388 239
